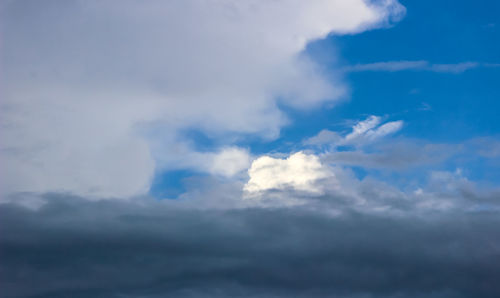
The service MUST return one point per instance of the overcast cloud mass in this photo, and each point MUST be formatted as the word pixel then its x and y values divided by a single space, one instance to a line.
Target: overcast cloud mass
pixel 249 148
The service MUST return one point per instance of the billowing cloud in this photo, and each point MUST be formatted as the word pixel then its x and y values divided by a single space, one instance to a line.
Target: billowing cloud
pixel 299 172
pixel 89 86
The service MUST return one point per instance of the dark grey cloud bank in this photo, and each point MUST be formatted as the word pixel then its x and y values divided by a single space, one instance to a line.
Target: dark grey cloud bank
pixel 76 248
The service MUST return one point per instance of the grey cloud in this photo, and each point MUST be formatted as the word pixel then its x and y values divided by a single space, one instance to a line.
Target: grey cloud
pixel 488 147
pixel 77 248
pixel 395 155
pixel 324 137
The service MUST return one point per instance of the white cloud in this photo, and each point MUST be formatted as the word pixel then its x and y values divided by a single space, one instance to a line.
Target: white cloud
pixel 362 127
pixel 370 130
pixel 85 82
pixel 298 172
pixel 384 130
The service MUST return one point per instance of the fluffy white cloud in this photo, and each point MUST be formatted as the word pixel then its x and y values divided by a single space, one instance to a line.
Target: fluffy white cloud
pixel 86 83
pixel 299 172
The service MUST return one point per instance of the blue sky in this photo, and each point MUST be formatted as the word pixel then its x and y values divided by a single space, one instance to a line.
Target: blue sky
pixel 462 105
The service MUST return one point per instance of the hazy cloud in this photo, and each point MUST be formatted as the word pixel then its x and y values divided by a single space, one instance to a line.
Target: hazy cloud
pixel 395 155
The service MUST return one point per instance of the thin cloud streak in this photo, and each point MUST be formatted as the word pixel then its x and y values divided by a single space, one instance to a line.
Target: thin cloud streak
pixel 420 65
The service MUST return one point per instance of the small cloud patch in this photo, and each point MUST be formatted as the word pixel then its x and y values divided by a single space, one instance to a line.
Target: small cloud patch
pixel 300 172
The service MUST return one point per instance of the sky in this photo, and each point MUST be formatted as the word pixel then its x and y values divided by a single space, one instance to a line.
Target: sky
pixel 223 148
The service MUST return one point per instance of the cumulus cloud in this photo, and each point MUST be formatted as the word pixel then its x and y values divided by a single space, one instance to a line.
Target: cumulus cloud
pixel 299 172
pixel 89 86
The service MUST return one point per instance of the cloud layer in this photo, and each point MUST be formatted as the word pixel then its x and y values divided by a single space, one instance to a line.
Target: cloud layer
pixel 76 248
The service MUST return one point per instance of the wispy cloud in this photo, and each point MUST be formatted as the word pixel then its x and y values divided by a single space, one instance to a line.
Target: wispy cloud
pixel 454 68
pixel 387 66
pixel 363 132
pixel 419 65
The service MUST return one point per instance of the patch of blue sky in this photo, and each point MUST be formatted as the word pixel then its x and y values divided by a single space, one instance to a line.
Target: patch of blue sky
pixel 171 184
pixel 435 105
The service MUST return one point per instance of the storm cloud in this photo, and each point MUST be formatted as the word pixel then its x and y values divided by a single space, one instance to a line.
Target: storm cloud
pixel 72 247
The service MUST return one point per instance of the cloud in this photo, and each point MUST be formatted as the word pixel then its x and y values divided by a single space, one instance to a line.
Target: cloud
pixel 454 68
pixel 95 92
pixel 488 147
pixel 420 65
pixel 229 162
pixel 367 130
pixel 323 137
pixel 385 130
pixel 363 132
pixel 362 127
pixel 75 248
pixel 395 155
pixel 390 66
pixel 299 172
